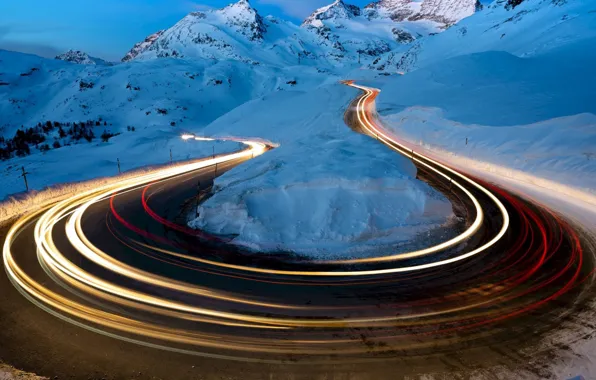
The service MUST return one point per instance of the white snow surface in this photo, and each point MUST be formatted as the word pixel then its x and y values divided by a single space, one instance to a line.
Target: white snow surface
pixel 325 191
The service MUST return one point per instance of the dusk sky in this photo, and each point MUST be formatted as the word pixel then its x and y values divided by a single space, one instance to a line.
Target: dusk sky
pixel 109 28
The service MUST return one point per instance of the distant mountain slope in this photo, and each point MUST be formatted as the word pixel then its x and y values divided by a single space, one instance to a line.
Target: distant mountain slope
pixel 81 58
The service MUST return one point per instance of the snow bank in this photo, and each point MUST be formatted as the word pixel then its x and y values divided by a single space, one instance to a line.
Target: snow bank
pixel 326 190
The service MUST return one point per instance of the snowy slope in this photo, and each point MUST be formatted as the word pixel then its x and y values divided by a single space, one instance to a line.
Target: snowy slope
pixel 150 103
pixel 191 92
pixel 534 114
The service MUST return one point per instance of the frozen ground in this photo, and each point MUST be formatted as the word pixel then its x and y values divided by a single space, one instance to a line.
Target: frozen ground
pixel 326 191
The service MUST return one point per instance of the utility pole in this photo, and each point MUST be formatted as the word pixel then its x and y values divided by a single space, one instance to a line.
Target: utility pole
pixel 119 171
pixel 466 141
pixel 24 175
pixel 171 159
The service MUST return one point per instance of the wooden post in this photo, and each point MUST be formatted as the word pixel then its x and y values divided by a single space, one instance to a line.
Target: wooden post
pixel 119 171
pixel 24 175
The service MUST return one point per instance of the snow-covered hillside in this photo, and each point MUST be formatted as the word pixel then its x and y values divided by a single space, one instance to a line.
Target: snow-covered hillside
pixel 515 92
pixel 531 28
pixel 151 92
pixel 81 58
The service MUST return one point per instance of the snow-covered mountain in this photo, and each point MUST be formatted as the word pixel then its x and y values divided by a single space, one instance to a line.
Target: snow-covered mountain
pixel 337 34
pixel 350 32
pixel 81 58
pixel 228 33
pixel 336 11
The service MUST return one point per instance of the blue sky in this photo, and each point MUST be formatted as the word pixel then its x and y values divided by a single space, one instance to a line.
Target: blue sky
pixel 109 28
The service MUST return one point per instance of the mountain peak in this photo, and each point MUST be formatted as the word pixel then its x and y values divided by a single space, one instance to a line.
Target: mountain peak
pixel 80 57
pixel 338 10
pixel 245 19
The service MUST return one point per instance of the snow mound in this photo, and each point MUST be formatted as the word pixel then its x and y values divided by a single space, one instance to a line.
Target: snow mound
pixel 325 191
